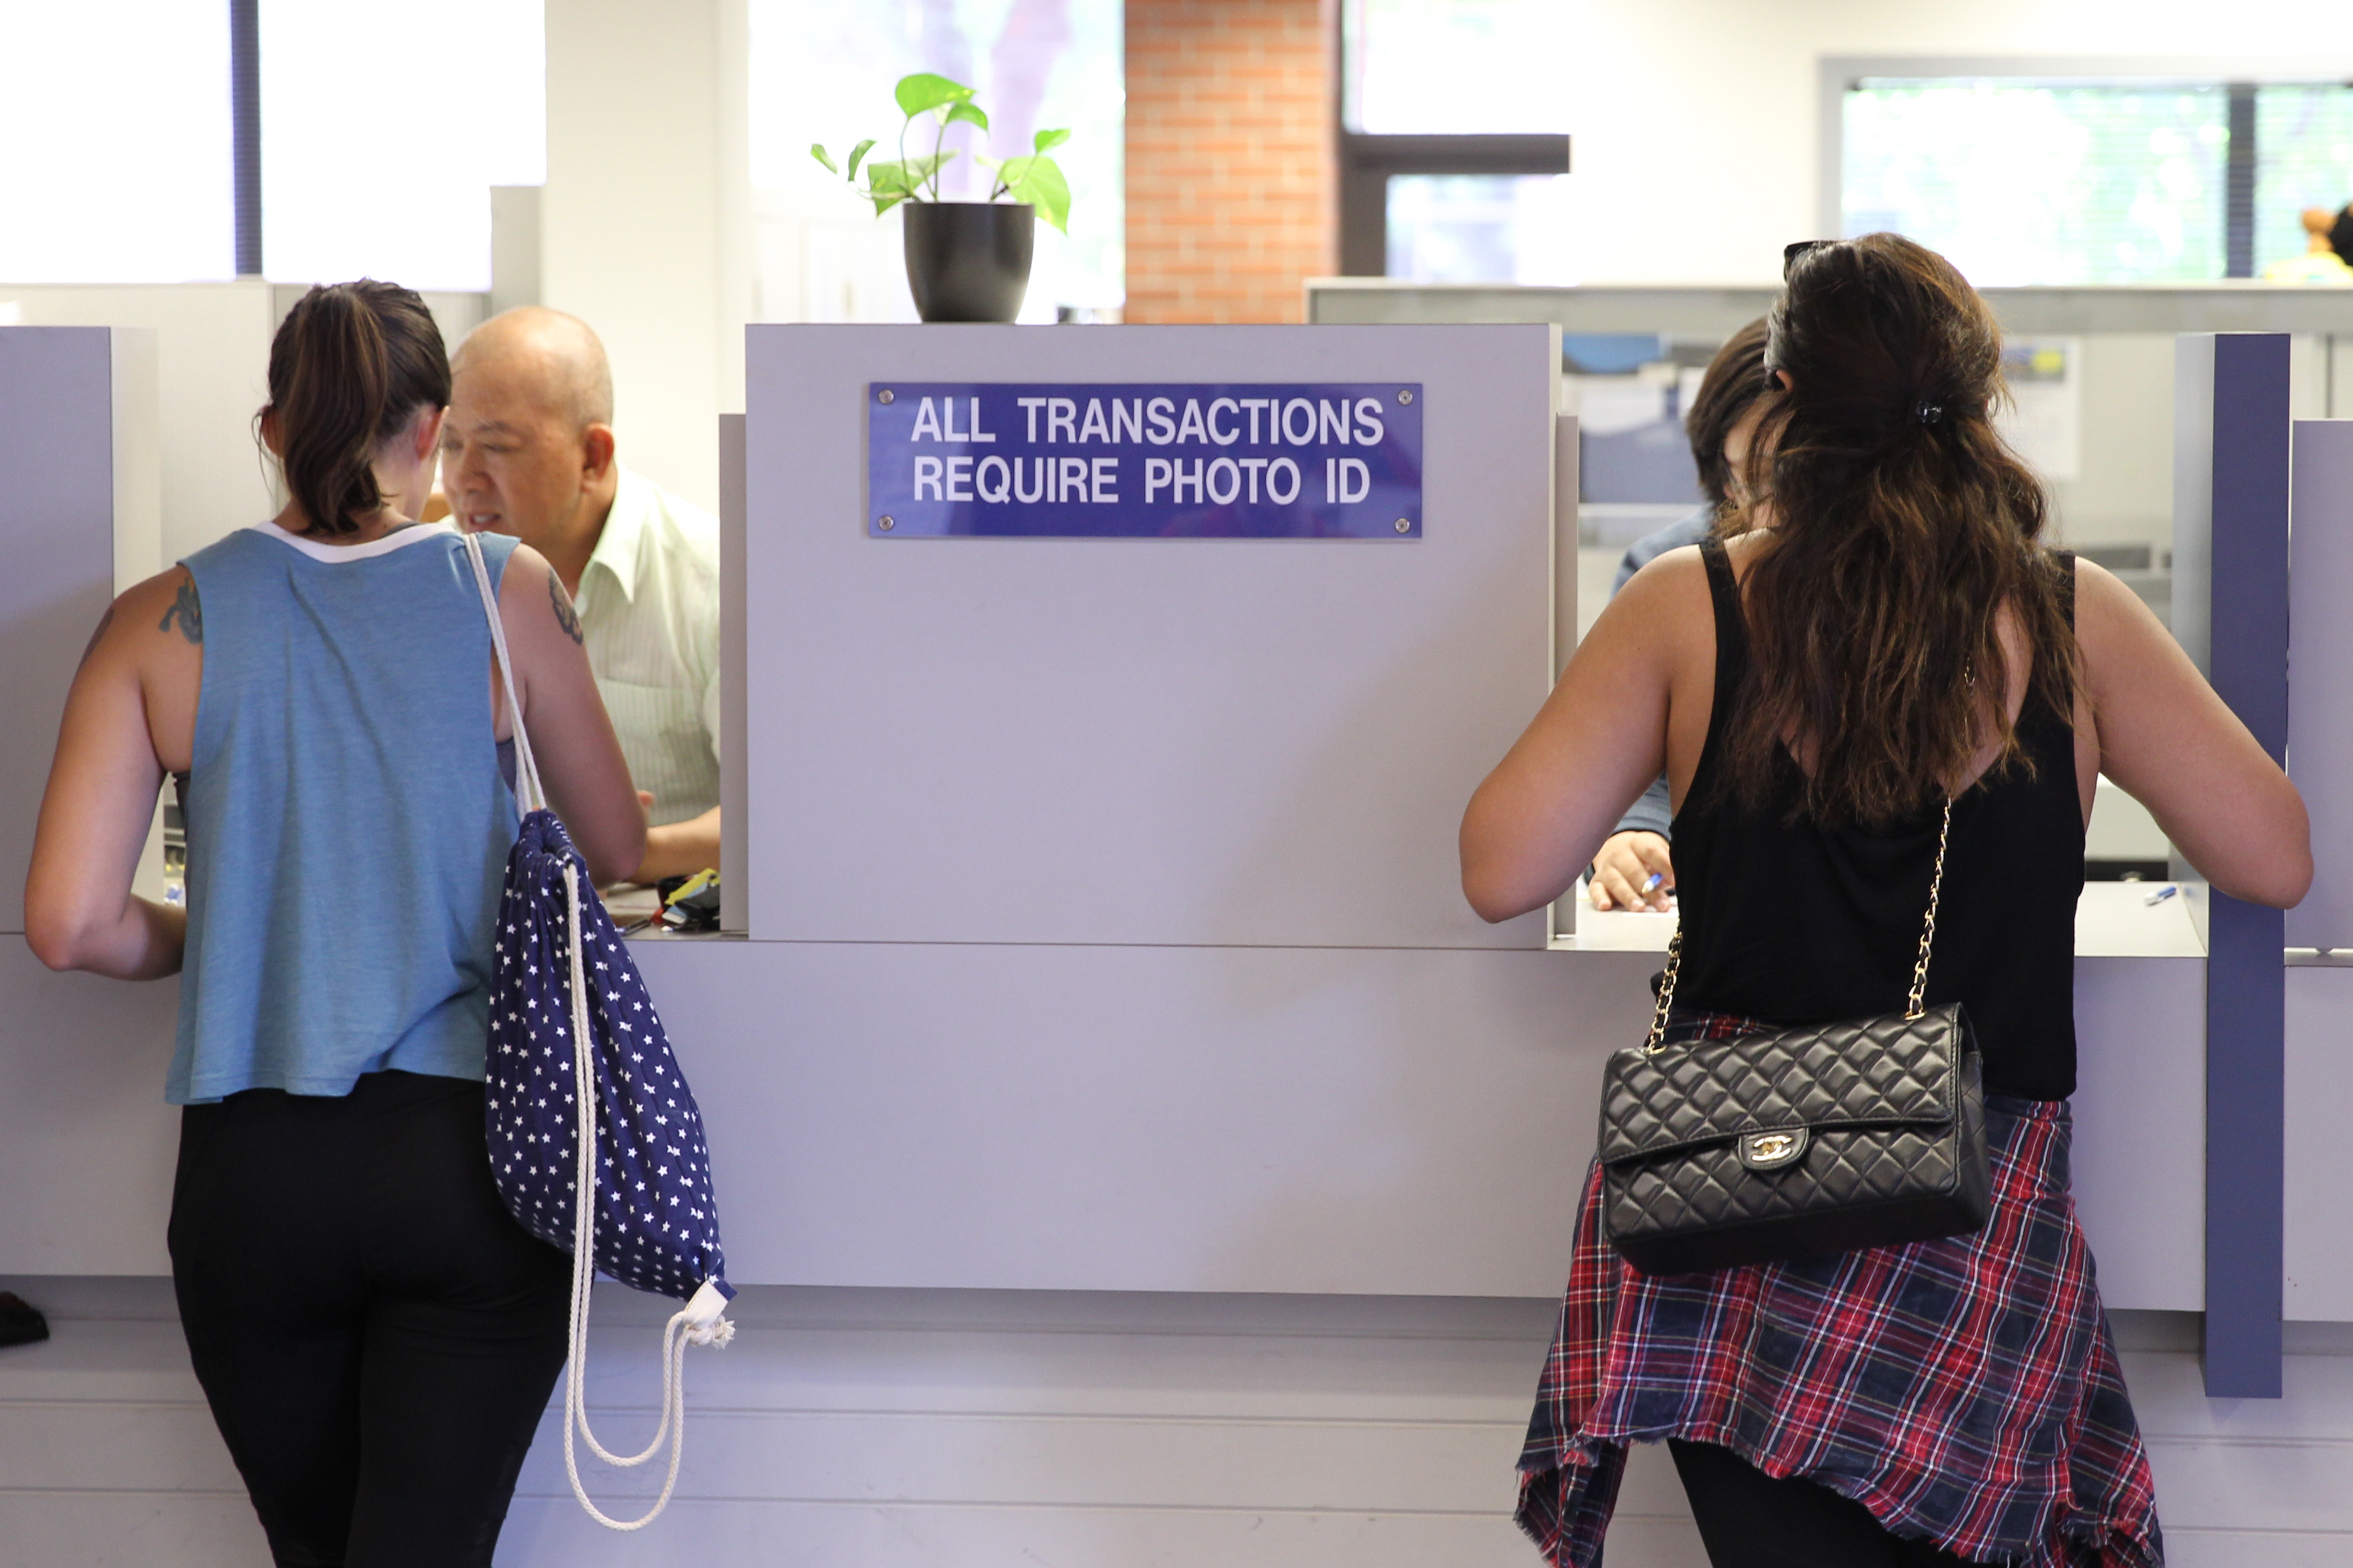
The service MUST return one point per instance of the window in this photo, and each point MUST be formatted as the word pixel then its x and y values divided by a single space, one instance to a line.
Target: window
pixel 2304 158
pixel 822 72
pixel 115 164
pixel 380 143
pixel 1478 228
pixel 2023 181
pixel 1453 66
pixel 1450 145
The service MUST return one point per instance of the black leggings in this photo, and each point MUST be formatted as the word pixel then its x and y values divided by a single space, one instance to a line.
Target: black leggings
pixel 1749 1520
pixel 377 1337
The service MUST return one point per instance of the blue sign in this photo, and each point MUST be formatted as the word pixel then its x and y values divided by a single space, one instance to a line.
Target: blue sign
pixel 1172 460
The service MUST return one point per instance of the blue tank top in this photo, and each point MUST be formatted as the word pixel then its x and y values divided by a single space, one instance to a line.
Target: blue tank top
pixel 347 824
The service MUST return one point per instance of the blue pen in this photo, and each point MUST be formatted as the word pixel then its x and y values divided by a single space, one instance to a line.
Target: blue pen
pixel 1654 880
pixel 2160 896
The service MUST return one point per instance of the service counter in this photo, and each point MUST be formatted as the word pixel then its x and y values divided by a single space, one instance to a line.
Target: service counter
pixel 1093 900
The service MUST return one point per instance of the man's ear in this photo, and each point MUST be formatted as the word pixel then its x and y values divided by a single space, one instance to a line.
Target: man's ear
pixel 596 451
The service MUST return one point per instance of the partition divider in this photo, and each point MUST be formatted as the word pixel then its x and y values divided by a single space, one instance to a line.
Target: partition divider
pixel 2232 455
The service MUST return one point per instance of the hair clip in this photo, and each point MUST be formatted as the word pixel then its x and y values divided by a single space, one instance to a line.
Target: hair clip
pixel 1928 413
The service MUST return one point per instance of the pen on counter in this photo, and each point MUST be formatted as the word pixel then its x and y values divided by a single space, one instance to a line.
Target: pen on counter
pixel 1651 884
pixel 2160 896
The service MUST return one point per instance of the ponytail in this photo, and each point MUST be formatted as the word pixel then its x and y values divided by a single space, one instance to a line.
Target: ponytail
pixel 1904 526
pixel 350 365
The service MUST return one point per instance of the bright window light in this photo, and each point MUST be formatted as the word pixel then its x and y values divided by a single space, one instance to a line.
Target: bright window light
pixel 1455 67
pixel 115 162
pixel 1479 228
pixel 381 138
pixel 2022 181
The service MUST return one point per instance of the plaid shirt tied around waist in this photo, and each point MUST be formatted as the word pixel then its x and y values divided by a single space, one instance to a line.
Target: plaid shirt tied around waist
pixel 1965 1390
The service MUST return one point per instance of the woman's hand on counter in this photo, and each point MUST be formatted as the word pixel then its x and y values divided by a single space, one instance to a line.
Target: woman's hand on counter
pixel 1623 868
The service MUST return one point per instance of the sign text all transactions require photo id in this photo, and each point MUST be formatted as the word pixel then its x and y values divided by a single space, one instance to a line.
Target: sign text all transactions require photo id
pixel 1202 460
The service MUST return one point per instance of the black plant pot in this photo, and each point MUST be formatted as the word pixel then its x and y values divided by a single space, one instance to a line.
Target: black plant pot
pixel 969 261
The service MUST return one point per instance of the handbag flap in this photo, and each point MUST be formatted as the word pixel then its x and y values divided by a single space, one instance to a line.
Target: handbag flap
pixel 1886 1071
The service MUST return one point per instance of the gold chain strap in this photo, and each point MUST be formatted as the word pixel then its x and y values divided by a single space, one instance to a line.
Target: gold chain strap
pixel 1666 991
pixel 1913 1005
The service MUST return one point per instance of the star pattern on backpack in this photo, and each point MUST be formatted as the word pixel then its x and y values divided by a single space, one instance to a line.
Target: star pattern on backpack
pixel 657 1226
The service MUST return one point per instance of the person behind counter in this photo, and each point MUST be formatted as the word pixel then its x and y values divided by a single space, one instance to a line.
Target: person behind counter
pixel 1886 633
pixel 528 450
pixel 1722 414
pixel 376 1335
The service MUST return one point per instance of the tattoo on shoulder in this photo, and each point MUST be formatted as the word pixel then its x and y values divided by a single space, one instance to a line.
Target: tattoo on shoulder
pixel 91 647
pixel 189 611
pixel 565 615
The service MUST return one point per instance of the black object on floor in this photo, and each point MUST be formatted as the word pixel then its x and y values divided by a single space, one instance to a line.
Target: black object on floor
pixel 20 1322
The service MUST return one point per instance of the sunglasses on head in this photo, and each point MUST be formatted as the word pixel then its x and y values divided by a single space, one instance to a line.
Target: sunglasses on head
pixel 1790 253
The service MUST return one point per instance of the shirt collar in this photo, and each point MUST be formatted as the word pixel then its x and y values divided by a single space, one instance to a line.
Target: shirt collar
pixel 625 526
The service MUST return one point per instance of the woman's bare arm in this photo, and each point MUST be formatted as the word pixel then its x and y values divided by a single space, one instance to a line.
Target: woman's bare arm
pixel 2173 745
pixel 579 760
pixel 79 912
pixel 1597 743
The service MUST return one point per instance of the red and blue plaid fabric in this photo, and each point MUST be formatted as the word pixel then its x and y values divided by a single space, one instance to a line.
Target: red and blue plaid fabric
pixel 1965 1390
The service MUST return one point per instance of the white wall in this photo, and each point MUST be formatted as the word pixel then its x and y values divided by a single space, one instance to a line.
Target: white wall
pixel 1696 122
pixel 645 222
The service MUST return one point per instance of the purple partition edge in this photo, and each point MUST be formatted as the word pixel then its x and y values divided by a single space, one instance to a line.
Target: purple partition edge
pixel 2246 438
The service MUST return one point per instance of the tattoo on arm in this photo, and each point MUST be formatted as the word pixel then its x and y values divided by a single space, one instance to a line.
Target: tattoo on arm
pixel 565 615
pixel 91 647
pixel 189 612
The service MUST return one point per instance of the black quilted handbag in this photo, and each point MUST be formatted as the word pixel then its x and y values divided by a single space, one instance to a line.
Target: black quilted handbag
pixel 1797 1142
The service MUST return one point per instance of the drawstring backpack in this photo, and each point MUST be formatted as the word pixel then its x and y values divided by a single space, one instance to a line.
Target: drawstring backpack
pixel 586 1097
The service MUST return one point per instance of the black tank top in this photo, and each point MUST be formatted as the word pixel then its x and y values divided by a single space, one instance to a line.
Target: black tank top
pixel 1797 923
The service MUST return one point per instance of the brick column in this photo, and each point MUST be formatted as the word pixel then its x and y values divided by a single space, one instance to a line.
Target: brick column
pixel 1232 185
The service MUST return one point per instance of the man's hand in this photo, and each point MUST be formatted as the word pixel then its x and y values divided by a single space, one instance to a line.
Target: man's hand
pixel 1624 868
pixel 680 850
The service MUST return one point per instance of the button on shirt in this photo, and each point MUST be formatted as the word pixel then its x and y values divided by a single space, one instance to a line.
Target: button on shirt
pixel 648 604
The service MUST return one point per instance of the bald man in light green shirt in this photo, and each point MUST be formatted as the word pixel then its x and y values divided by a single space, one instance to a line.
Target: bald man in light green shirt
pixel 528 449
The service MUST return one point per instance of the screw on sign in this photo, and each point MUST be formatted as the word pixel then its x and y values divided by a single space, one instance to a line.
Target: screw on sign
pixel 886 396
pixel 1405 525
pixel 886 523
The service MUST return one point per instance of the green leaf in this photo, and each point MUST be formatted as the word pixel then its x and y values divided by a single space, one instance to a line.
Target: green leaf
pixel 1037 179
pixel 1050 140
pixel 883 177
pixel 969 113
pixel 816 150
pixel 857 153
pixel 924 168
pixel 883 203
pixel 924 90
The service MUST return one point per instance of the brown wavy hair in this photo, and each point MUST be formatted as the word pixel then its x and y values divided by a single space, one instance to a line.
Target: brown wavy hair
pixel 1902 525
pixel 349 368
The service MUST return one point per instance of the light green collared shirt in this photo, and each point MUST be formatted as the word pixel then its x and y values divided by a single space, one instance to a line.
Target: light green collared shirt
pixel 649 605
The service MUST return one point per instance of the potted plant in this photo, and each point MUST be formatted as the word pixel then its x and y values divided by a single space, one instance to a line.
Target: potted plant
pixel 966 261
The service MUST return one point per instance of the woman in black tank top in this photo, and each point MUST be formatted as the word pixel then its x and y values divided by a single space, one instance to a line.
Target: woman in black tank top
pixel 2005 943
pixel 1881 630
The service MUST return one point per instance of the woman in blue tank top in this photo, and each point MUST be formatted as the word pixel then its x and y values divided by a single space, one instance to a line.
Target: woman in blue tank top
pixel 1883 630
pixel 376 1337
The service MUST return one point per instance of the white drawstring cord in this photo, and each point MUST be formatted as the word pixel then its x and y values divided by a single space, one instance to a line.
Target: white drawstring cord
pixel 701 1320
